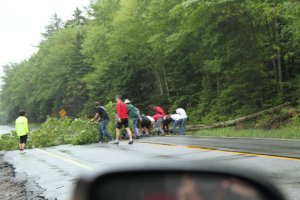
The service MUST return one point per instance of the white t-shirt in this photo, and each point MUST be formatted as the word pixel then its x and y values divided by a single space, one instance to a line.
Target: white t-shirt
pixel 176 117
pixel 181 112
pixel 151 118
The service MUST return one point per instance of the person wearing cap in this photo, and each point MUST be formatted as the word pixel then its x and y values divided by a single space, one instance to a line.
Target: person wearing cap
pixel 102 116
pixel 133 115
pixel 22 130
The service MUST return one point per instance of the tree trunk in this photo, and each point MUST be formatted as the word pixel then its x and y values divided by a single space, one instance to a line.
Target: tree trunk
pixel 279 65
pixel 239 120
pixel 162 64
pixel 160 85
pixel 278 56
pixel 218 83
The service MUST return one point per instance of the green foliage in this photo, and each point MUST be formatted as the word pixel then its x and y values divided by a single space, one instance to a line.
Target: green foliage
pixel 218 59
pixel 9 141
pixel 55 132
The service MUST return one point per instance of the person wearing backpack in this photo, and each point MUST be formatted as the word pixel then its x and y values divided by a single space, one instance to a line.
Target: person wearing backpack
pixel 133 115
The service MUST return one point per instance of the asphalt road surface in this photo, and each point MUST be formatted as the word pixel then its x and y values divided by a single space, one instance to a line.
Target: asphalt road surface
pixel 5 129
pixel 56 169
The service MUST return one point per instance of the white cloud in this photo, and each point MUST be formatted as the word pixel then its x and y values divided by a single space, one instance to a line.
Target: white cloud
pixel 23 21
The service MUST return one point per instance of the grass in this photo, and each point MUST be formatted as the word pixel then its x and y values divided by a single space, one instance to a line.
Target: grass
pixel 288 132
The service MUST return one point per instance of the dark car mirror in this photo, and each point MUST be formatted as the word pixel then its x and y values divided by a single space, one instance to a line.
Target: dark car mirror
pixel 174 184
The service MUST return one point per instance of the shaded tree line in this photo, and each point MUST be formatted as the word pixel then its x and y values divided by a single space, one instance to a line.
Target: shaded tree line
pixel 217 59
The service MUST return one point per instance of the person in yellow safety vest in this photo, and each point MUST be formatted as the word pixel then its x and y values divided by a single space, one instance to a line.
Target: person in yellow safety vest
pixel 22 129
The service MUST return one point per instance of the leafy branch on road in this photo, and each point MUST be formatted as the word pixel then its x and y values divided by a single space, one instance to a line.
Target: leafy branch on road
pixel 55 132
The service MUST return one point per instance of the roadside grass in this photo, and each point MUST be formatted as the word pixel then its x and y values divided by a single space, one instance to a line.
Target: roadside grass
pixel 288 132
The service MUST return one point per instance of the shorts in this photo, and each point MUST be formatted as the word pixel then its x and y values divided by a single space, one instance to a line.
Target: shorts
pixel 23 139
pixel 146 123
pixel 123 122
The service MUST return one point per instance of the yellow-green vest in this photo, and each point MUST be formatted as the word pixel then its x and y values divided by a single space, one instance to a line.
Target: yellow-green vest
pixel 21 126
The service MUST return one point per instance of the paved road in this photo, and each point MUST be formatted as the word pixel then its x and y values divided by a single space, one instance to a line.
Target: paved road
pixel 285 148
pixel 5 129
pixel 56 169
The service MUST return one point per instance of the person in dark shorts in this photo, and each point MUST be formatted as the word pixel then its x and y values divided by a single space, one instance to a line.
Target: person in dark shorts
pixel 122 115
pixel 102 115
pixel 22 130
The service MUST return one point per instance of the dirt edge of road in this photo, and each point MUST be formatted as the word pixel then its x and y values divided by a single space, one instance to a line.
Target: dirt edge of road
pixel 17 186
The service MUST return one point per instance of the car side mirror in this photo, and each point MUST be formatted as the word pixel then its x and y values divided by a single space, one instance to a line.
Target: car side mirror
pixel 174 184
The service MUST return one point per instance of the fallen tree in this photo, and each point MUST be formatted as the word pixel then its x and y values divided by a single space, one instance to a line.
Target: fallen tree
pixel 239 120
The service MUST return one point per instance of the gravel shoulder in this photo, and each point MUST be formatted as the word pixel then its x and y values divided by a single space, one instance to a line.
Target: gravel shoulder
pixel 17 186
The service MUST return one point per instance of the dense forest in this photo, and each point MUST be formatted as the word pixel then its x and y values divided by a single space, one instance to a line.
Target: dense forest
pixel 217 59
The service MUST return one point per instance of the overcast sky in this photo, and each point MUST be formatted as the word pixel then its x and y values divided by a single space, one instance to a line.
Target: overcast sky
pixel 23 21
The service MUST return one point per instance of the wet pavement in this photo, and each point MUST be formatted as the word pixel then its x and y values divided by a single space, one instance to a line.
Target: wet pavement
pixel 56 169
pixel 17 186
pixel 285 148
pixel 5 129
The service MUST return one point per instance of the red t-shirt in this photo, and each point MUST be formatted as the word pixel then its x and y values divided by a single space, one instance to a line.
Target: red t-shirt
pixel 160 110
pixel 157 116
pixel 121 108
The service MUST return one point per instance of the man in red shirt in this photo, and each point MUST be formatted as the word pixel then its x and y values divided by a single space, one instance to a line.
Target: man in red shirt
pixel 158 118
pixel 159 110
pixel 121 108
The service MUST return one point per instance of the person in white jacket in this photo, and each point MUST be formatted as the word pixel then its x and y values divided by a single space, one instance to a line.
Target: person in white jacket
pixel 177 121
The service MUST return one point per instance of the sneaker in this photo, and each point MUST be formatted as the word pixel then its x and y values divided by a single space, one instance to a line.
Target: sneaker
pixel 138 137
pixel 114 142
pixel 100 142
pixel 130 142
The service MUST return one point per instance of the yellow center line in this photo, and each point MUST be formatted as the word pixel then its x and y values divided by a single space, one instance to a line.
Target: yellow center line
pixel 73 162
pixel 224 151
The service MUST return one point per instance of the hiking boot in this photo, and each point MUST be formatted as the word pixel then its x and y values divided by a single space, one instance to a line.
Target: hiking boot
pixel 130 142
pixel 114 142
